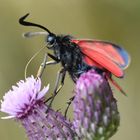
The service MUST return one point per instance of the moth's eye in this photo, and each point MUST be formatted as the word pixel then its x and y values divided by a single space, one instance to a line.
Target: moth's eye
pixel 51 39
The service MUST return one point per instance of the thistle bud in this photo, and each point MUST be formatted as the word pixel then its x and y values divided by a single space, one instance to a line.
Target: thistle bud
pixel 95 109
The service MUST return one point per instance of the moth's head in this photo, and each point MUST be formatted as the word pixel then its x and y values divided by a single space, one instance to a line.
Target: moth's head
pixel 50 37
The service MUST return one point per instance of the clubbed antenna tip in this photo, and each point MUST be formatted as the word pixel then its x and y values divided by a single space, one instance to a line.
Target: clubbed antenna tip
pixel 26 23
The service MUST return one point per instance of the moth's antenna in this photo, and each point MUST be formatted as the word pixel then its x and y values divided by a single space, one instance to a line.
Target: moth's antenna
pixel 32 34
pixel 26 23
pixel 26 67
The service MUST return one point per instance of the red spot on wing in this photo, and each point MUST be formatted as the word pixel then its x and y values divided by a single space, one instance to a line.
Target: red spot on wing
pixel 92 63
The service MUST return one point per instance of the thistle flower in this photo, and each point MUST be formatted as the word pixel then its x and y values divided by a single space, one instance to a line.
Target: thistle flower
pixel 95 110
pixel 25 103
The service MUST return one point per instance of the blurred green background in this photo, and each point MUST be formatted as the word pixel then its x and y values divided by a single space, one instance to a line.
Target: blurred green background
pixel 116 21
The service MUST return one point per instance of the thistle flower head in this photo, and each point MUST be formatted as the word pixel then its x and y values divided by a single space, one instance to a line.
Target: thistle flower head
pixel 95 109
pixel 21 99
pixel 25 103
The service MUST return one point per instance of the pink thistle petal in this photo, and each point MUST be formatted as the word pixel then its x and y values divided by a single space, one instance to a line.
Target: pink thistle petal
pixel 43 92
pixel 20 99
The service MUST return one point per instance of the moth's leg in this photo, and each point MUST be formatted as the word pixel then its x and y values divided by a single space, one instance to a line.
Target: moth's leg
pixel 60 78
pixel 53 57
pixel 60 75
pixel 45 63
pixel 68 105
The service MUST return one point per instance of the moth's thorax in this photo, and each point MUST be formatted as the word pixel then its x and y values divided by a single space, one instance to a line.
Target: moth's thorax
pixel 62 46
pixel 68 53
